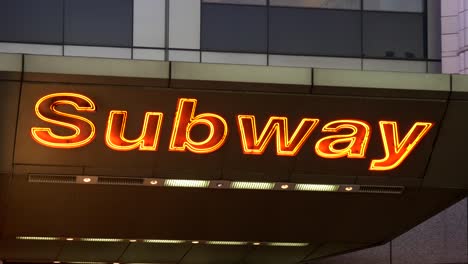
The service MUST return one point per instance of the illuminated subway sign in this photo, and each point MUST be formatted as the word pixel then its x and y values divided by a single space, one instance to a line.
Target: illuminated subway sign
pixel 253 139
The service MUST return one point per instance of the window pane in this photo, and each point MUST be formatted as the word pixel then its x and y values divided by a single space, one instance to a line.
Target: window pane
pixel 31 21
pixel 395 5
pixel 98 22
pixel 315 32
pixel 234 28
pixel 238 2
pixel 390 35
pixel 339 4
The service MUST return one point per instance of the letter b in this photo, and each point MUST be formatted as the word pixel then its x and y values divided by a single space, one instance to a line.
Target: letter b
pixel 185 120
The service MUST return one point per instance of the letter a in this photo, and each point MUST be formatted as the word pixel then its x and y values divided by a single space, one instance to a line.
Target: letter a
pixel 356 140
pixel 185 120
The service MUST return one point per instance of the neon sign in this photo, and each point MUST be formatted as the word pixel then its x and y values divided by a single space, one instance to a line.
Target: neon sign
pixel 253 139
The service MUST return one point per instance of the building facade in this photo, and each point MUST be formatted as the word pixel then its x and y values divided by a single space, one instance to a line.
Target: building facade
pixel 205 66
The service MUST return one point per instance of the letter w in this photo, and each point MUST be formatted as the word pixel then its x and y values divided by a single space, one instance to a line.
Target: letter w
pixel 285 145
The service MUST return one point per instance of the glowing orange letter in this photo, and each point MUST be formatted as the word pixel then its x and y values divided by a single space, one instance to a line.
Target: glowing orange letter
pixel 396 151
pixel 357 140
pixel 148 139
pixel 285 145
pixel 185 120
pixel 83 129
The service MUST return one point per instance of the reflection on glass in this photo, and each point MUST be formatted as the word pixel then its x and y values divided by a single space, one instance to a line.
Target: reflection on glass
pixel 307 31
pixel 394 5
pixel 238 2
pixel 393 35
pixel 339 4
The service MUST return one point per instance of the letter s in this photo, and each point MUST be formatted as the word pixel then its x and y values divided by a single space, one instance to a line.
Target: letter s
pixel 83 129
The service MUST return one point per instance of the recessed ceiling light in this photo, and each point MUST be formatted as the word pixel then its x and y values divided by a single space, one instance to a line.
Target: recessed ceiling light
pixel 86 179
pixel 69 239
pixel 56 261
pixel 133 240
pixel 153 182
pixel 219 185
pixel 256 243
pixel 348 188
pixel 195 242
pixel 284 186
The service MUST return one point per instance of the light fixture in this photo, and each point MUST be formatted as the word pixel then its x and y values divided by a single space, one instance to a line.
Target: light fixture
pixel 252 185
pixel 133 240
pixel 256 243
pixel 69 239
pixel 186 183
pixel 163 241
pixel 317 187
pixel 102 239
pixel 287 244
pixel 284 186
pixel 153 182
pixel 219 185
pixel 348 188
pixel 227 243
pixel 86 179
pixel 195 242
pixel 36 238
pixel 56 262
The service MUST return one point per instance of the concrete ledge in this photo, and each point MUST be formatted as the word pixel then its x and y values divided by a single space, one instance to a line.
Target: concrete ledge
pixel 241 73
pixel 96 66
pixel 385 80
pixel 10 62
pixel 460 83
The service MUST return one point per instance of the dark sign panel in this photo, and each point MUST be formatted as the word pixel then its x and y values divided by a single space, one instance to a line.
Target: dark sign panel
pixel 195 134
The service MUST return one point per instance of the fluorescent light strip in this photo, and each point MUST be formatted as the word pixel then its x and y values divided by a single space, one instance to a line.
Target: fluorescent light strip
pixel 162 241
pixel 81 262
pixel 316 187
pixel 286 244
pixel 186 183
pixel 167 241
pixel 36 238
pixel 102 239
pixel 253 185
pixel 227 243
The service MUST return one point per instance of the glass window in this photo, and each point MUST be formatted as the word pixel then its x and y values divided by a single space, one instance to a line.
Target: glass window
pixel 237 2
pixel 395 5
pixel 31 21
pixel 338 4
pixel 98 22
pixel 315 32
pixel 234 28
pixel 393 35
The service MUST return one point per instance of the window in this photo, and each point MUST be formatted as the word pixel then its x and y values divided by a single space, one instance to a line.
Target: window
pixel 395 5
pixel 240 28
pixel 98 22
pixel 336 4
pixel 237 2
pixel 315 32
pixel 393 35
pixel 31 21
